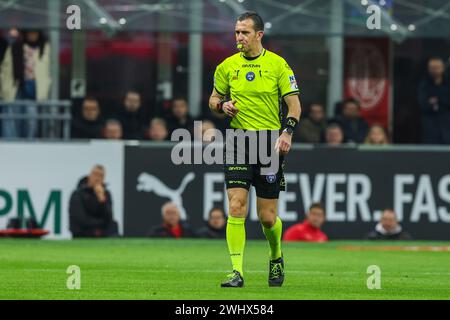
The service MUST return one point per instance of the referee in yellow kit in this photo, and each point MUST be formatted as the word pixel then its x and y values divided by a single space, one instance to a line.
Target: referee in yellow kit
pixel 254 80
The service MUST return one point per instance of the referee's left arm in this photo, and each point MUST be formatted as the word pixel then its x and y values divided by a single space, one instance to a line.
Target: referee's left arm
pixel 284 141
pixel 288 88
pixel 294 106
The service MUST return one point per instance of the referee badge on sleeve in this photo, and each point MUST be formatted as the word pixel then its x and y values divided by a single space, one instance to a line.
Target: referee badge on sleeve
pixel 293 83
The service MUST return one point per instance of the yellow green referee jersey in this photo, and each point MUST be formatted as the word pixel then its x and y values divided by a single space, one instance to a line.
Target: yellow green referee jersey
pixel 257 85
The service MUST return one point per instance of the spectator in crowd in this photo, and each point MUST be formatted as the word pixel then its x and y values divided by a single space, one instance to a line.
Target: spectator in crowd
pixel 133 116
pixel 157 131
pixel 312 127
pixel 180 117
pixel 24 75
pixel 90 207
pixel 353 125
pixel 216 226
pixel 338 109
pixel 434 100
pixel 4 44
pixel 333 135
pixel 388 228
pixel 206 132
pixel 377 136
pixel 89 125
pixel 309 229
pixel 221 120
pixel 5 41
pixel 113 130
pixel 3 47
pixel 172 226
pixel 13 35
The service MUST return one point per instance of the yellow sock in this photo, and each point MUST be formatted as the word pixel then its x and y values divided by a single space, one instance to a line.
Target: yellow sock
pixel 236 242
pixel 273 236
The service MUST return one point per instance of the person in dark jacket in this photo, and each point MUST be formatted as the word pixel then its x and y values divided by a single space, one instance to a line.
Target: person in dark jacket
pixel 216 226
pixel 311 129
pixel 355 128
pixel 388 228
pixel 133 117
pixel 24 75
pixel 172 226
pixel 89 125
pixel 434 100
pixel 180 117
pixel 334 136
pixel 3 47
pixel 90 207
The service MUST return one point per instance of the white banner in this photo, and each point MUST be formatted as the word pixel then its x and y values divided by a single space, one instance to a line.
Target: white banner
pixel 41 177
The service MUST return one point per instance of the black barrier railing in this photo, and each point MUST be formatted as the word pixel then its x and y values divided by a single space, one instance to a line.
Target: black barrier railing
pixel 53 116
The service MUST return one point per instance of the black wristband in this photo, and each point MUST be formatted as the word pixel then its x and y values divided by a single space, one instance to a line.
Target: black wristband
pixel 291 122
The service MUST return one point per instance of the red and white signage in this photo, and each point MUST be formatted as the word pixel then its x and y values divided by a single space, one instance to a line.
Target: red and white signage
pixel 366 75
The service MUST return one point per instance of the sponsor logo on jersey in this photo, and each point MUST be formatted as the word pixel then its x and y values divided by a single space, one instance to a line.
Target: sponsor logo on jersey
pixel 250 76
pixel 237 182
pixel 251 65
pixel 237 168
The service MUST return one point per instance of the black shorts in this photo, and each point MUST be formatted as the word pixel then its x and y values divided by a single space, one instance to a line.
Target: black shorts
pixel 242 175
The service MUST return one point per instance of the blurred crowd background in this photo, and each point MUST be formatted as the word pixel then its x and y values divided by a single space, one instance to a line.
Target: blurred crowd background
pixel 141 69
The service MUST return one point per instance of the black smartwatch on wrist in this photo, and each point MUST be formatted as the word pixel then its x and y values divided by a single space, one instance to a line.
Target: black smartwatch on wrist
pixel 289 130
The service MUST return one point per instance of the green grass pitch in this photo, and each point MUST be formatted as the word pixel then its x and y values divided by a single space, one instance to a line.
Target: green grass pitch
pixel 193 269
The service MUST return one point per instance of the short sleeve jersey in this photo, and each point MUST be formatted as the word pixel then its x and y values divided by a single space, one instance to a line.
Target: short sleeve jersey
pixel 256 85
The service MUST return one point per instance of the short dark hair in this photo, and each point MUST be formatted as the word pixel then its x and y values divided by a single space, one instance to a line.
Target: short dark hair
pixel 179 97
pixel 436 58
pixel 132 91
pixel 158 120
pixel 388 209
pixel 258 23
pixel 316 104
pixel 113 121
pixel 216 209
pixel 333 125
pixel 90 98
pixel 317 205
pixel 350 101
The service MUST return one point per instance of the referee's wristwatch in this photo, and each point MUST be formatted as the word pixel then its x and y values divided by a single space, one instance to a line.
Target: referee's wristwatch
pixel 289 130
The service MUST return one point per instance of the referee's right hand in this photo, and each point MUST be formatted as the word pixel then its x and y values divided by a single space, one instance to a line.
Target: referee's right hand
pixel 229 108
